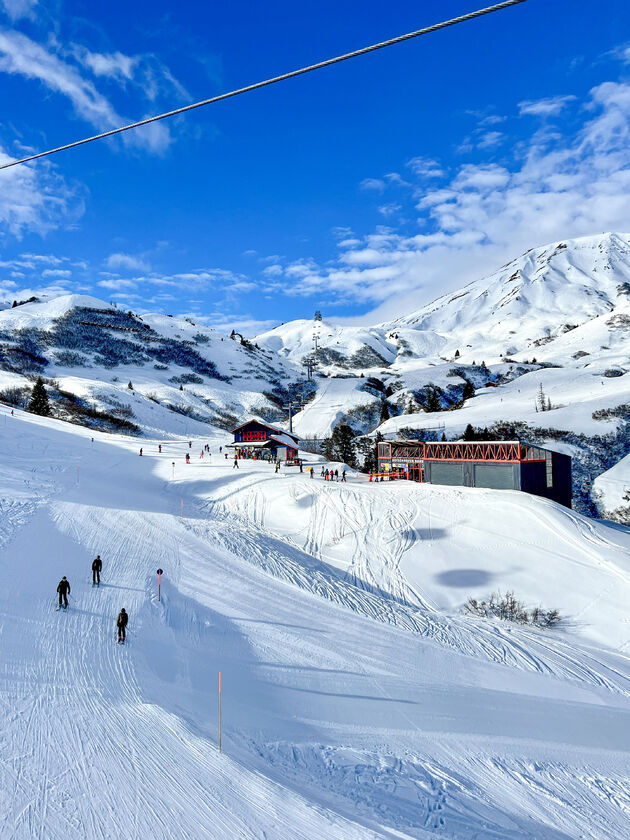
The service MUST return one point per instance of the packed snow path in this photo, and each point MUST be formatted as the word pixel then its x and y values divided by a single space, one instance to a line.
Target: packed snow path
pixel 337 723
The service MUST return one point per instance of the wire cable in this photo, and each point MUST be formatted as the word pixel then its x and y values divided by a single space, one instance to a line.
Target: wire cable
pixel 327 63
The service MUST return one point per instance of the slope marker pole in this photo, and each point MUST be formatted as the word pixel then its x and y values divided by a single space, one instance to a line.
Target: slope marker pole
pixel 220 711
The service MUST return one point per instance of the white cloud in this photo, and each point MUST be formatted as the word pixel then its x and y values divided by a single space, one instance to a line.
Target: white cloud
pixel 425 167
pixel 19 55
pixel 390 209
pixel 486 176
pixel 492 119
pixel 274 270
pixel 126 262
pixel 373 184
pixel 50 259
pixel 56 272
pixel 145 72
pixel 17 9
pixel 545 107
pixel 35 199
pixel 114 65
pixel 490 139
pixel 117 284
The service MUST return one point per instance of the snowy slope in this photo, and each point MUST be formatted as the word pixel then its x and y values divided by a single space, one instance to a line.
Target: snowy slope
pixel 611 492
pixel 354 705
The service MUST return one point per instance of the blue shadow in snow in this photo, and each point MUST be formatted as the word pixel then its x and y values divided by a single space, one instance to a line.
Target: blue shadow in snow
pixel 464 577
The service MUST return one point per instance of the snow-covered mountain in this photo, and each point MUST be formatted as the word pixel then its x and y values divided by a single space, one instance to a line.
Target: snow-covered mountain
pixel 566 304
pixel 531 301
pixel 150 373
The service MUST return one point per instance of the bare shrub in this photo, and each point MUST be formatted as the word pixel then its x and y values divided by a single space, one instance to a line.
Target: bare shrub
pixel 508 608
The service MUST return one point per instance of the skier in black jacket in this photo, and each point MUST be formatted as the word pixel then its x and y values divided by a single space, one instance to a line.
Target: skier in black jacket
pixel 121 623
pixel 64 590
pixel 97 565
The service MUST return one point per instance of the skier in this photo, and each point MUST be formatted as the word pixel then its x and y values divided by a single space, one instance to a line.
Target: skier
pixel 301 470
pixel 64 590
pixel 160 448
pixel 190 444
pixel 336 475
pixel 343 476
pixel 97 565
pixel 311 472
pixel 322 473
pixel 140 450
pixel 236 466
pixel 220 450
pixel 187 458
pixel 121 624
pixel 277 466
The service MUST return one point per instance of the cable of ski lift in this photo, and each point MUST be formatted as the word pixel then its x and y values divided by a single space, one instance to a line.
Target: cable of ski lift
pixel 266 82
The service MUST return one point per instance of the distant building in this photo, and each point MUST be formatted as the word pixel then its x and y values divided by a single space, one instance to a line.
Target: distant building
pixel 502 465
pixel 257 439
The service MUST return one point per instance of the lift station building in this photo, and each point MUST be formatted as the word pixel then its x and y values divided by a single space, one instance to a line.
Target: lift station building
pixel 502 465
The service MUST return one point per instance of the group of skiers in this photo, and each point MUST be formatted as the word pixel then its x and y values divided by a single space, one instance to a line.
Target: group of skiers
pixel 63 590
pixel 330 475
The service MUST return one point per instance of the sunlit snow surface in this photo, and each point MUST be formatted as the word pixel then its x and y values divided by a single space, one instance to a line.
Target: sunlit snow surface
pixel 357 701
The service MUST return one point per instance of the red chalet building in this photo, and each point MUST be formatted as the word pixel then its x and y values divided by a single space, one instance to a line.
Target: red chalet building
pixel 257 439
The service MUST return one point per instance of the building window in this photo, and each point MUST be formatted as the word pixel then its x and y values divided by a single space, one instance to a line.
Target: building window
pixel 549 468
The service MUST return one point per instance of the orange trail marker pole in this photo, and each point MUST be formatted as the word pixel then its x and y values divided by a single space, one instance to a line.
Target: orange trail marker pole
pixel 219 711
pixel 160 572
pixel 182 508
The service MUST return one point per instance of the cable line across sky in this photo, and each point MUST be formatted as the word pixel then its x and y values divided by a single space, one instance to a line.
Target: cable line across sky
pixel 266 82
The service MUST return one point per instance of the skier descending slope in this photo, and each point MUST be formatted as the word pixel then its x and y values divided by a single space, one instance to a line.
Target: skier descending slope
pixel 64 590
pixel 97 565
pixel 121 623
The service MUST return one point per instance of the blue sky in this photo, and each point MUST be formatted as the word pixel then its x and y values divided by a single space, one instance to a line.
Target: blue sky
pixel 363 190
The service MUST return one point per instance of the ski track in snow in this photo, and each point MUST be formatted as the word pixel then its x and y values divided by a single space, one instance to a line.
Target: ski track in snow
pixel 389 599
pixel 110 728
pixel 326 735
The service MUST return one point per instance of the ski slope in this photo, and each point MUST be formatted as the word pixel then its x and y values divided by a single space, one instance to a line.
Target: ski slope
pixel 357 702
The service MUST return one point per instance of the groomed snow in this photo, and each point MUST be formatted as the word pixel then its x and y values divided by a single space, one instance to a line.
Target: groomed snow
pixel 356 702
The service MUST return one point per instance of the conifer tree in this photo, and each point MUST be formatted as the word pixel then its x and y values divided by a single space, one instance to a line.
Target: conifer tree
pixel 433 402
pixel 38 403
pixel 469 390
pixel 343 443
